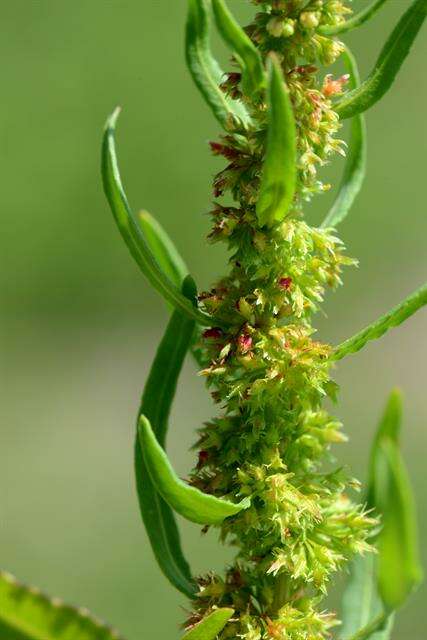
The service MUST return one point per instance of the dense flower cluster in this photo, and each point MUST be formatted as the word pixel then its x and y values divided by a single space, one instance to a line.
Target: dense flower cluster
pixel 266 371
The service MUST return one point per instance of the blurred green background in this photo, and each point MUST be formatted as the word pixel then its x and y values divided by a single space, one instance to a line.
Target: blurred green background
pixel 79 325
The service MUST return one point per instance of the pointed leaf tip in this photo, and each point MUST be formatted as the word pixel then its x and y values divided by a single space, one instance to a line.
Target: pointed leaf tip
pixel 210 626
pixel 278 181
pixel 189 502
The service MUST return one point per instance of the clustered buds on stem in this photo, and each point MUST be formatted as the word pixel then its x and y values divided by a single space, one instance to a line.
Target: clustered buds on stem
pixel 267 372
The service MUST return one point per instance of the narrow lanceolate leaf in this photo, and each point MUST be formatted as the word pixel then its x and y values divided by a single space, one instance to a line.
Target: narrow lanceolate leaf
pixel 163 249
pixel 399 569
pixel 242 46
pixel 388 64
pixel 27 614
pixel 392 319
pixel 279 172
pixel 189 502
pixel 156 403
pixel 205 70
pixel 361 603
pixel 210 626
pixel 132 232
pixel 355 166
pixel 356 21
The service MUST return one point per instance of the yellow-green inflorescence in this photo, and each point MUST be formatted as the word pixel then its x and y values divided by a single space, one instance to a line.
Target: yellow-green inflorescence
pixel 267 372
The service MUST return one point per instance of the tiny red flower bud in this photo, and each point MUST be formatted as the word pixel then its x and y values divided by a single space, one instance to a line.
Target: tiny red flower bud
pixel 285 283
pixel 203 458
pixel 215 333
pixel 244 342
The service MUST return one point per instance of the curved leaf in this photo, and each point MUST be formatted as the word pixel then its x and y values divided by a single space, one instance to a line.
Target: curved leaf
pixel 163 249
pixel 27 614
pixel 210 626
pixel 279 173
pixel 392 319
pixel 189 502
pixel 388 64
pixel 356 21
pixel 132 233
pixel 355 167
pixel 156 403
pixel 372 630
pixel 243 48
pixel 204 69
pixel 361 602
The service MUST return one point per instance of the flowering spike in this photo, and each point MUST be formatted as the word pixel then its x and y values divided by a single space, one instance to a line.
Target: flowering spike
pixel 356 21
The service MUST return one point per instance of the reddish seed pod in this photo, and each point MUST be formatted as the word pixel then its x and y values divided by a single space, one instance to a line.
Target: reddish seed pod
pixel 215 333
pixel 285 283
pixel 244 342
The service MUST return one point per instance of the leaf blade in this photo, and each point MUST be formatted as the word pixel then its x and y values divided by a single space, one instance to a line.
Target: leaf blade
pixel 205 70
pixel 132 233
pixel 27 614
pixel 355 167
pixel 356 21
pixel 210 626
pixel 163 249
pixel 156 402
pixel 393 318
pixel 279 176
pixel 247 54
pixel 388 64
pixel 192 504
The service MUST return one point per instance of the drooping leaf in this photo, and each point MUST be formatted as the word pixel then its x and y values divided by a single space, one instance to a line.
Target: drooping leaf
pixel 28 614
pixel 246 53
pixel 355 166
pixel 361 603
pixel 210 626
pixel 132 232
pixel 205 70
pixel 189 502
pixel 355 21
pixel 279 172
pixel 163 249
pixel 375 330
pixel 156 403
pixel 388 64
pixel 399 569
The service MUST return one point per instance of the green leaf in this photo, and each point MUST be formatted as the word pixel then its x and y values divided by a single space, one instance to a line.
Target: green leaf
pixel 372 630
pixel 27 614
pixel 163 249
pixel 356 21
pixel 399 570
pixel 361 601
pixel 189 502
pixel 210 626
pixel 375 330
pixel 355 167
pixel 388 64
pixel 279 173
pixel 156 403
pixel 132 232
pixel 245 51
pixel 206 71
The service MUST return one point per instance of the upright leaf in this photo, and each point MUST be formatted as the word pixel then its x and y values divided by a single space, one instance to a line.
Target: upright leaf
pixel 399 570
pixel 388 64
pixel 189 502
pixel 279 172
pixel 355 21
pixel 156 403
pixel 355 167
pixel 244 50
pixel 394 318
pixel 27 614
pixel 205 70
pixel 132 232
pixel 163 249
pixel 210 626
